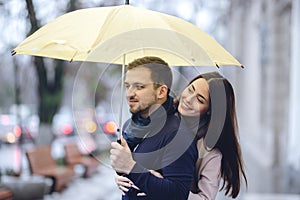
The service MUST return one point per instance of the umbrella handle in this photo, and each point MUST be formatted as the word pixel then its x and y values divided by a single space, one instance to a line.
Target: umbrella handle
pixel 122 99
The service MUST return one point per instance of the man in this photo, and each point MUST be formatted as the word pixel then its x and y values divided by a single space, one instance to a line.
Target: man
pixel 147 136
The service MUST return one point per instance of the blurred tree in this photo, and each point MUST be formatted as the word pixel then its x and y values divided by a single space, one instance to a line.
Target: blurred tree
pixel 50 92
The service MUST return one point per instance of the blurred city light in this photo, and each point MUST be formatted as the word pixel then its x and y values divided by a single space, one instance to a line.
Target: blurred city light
pixel 10 138
pixel 110 127
pixel 17 131
pixel 67 129
pixel 90 126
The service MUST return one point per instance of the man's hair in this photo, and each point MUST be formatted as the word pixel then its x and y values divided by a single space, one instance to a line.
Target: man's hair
pixel 161 73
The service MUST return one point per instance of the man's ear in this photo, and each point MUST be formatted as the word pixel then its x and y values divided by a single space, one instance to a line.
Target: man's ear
pixel 162 91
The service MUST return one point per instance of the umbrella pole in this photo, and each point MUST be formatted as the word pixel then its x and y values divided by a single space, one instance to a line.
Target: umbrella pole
pixel 126 2
pixel 122 98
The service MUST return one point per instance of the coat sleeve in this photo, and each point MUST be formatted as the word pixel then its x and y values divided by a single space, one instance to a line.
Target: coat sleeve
pixel 177 177
pixel 209 177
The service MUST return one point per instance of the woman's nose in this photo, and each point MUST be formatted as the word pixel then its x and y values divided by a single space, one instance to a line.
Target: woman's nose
pixel 190 98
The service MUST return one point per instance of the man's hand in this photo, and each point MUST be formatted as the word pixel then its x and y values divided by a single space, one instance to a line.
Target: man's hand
pixel 120 157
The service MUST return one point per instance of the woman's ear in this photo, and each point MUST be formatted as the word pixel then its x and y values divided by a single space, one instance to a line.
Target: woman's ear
pixel 162 92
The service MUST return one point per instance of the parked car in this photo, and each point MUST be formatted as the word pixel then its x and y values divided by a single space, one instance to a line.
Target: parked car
pixel 10 131
pixel 93 121
pixel 14 129
pixel 106 121
pixel 81 122
pixel 63 123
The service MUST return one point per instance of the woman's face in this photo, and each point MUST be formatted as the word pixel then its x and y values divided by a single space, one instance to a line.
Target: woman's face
pixel 194 99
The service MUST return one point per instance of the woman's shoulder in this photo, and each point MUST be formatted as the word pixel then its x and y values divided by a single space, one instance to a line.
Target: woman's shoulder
pixel 214 154
pixel 206 154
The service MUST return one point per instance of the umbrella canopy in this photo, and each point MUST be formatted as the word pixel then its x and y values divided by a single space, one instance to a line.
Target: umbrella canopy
pixel 105 34
pixel 120 34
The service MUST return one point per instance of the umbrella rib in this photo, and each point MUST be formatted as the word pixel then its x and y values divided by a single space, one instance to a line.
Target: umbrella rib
pixel 105 26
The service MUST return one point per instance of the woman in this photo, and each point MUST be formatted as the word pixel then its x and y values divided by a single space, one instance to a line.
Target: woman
pixel 211 98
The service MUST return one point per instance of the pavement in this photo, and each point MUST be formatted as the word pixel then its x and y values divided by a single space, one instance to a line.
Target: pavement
pixel 101 186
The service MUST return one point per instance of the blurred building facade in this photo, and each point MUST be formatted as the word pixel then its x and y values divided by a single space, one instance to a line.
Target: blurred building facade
pixel 264 36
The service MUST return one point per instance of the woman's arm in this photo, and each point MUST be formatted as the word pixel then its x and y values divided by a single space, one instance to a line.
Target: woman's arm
pixel 209 177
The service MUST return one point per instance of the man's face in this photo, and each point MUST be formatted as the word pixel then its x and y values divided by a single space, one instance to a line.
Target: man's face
pixel 140 92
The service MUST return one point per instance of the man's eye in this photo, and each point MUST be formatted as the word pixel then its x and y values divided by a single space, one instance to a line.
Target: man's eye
pixel 190 90
pixel 139 86
pixel 126 86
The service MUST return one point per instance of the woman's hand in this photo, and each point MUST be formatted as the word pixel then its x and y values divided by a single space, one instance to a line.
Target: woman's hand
pixel 155 173
pixel 123 183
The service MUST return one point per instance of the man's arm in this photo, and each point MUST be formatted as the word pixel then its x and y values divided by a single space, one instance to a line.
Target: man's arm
pixel 177 177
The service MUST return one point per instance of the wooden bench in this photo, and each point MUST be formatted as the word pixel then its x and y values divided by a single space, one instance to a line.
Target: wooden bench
pixel 6 194
pixel 42 163
pixel 74 156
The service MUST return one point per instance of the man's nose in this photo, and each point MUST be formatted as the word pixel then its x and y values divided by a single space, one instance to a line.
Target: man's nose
pixel 130 91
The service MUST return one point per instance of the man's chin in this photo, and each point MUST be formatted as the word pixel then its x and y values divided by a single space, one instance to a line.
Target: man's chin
pixel 133 111
pixel 138 111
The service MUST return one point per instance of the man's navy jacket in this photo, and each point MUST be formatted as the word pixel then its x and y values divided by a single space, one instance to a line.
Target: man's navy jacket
pixel 172 151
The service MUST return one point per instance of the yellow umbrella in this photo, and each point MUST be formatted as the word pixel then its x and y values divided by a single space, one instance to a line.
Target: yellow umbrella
pixel 115 31
pixel 120 34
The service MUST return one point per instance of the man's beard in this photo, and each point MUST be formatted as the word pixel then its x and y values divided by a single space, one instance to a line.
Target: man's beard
pixel 140 111
pixel 144 111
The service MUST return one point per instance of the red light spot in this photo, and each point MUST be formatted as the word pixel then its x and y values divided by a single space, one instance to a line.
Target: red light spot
pixel 17 131
pixel 110 127
pixel 67 129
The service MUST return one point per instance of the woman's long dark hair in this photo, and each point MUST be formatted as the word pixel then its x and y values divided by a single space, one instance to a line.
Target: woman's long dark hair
pixel 223 133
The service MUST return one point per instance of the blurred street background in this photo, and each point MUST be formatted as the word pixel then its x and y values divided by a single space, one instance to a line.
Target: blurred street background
pixel 36 94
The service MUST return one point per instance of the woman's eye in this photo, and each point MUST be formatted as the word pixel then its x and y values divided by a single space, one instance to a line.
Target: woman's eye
pixel 201 100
